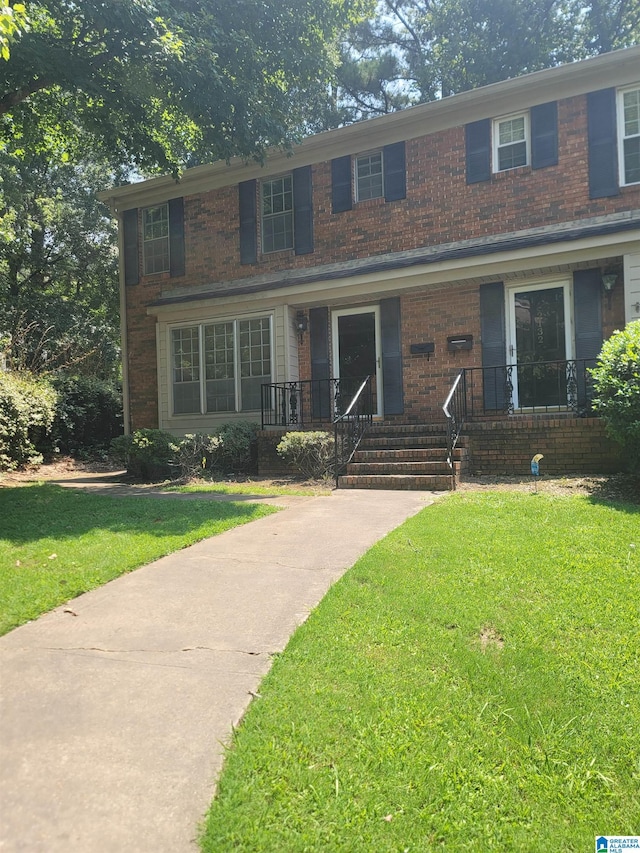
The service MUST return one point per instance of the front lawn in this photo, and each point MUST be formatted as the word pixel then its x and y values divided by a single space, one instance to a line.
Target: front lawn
pixel 471 684
pixel 56 543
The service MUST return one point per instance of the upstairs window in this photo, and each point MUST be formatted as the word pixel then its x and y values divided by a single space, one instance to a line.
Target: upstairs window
pixel 629 124
pixel 369 176
pixel 277 214
pixel 155 239
pixel 510 142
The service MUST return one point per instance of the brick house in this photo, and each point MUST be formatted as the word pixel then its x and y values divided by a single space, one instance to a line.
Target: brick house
pixel 494 234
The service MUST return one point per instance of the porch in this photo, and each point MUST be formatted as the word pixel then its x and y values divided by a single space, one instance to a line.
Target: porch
pixel 492 422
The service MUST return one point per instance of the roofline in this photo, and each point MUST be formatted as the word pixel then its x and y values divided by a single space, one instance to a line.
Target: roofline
pixel 617 68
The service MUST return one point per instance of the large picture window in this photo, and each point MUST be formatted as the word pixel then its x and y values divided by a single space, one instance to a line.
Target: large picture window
pixel 236 360
pixel 629 123
pixel 277 214
pixel 155 239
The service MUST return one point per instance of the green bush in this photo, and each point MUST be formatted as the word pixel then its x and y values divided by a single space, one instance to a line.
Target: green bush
pixel 88 414
pixel 27 410
pixel 195 454
pixel 310 453
pixel 617 390
pixel 147 454
pixel 236 451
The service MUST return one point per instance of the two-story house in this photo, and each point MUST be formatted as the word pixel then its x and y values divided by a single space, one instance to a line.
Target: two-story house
pixel 494 232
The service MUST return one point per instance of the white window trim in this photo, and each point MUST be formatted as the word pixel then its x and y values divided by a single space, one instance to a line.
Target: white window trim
pixel 145 242
pixel 235 319
pixel 355 173
pixel 264 181
pixel 621 137
pixel 495 140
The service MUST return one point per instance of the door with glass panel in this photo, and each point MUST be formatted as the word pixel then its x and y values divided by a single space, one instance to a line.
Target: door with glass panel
pixel 540 344
pixel 356 354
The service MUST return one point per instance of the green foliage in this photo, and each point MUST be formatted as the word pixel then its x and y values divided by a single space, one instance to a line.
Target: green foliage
pixel 310 453
pixel 27 411
pixel 88 414
pixel 162 83
pixel 469 685
pixel 147 454
pixel 617 390
pixel 236 448
pixel 13 22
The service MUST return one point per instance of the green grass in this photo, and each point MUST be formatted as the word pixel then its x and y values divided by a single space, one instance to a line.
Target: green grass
pixel 56 543
pixel 470 684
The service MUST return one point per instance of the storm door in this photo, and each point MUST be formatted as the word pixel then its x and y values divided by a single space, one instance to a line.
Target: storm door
pixel 540 344
pixel 356 354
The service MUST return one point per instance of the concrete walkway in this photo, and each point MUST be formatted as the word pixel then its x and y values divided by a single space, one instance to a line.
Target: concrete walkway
pixel 116 707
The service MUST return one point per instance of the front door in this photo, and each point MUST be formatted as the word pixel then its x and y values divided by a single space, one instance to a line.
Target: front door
pixel 540 345
pixel 356 354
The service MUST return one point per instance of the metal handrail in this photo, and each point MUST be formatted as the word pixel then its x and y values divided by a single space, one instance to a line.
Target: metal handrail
pixel 455 412
pixel 350 427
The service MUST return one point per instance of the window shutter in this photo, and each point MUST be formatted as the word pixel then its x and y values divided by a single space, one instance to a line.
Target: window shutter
pixel 544 135
pixel 247 191
pixel 176 236
pixel 603 147
pixel 341 193
pixel 395 171
pixel 130 246
pixel 478 150
pixel 391 356
pixel 492 329
pixel 587 313
pixel 303 210
pixel 319 342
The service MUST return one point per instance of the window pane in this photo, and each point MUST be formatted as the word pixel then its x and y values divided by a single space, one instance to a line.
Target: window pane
pixel 155 239
pixel 185 358
pixel 255 360
pixel 277 214
pixel 632 160
pixel 631 105
pixel 512 155
pixel 369 176
pixel 631 141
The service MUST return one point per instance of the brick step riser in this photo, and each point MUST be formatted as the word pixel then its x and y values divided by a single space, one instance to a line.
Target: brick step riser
pixel 402 468
pixel 436 454
pixel 418 442
pixel 437 483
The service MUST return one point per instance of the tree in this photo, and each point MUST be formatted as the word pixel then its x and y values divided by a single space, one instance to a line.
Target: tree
pixel 58 266
pixel 413 51
pixel 13 21
pixel 160 83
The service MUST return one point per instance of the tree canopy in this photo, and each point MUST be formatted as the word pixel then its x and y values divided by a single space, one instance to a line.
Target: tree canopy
pixel 412 51
pixel 160 83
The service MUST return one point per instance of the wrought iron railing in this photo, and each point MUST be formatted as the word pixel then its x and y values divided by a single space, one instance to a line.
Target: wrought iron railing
pixel 349 427
pixel 535 387
pixel 304 403
pixel 455 412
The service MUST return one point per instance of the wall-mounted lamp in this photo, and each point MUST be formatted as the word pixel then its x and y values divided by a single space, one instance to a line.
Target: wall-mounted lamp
pixel 609 282
pixel 302 324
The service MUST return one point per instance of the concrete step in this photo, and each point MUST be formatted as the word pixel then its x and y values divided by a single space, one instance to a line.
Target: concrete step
pixel 425 482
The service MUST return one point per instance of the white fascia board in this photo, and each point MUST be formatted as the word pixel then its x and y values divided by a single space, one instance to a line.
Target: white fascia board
pixel 618 68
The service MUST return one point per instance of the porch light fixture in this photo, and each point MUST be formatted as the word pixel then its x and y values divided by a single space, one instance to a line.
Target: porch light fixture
pixel 608 283
pixel 302 324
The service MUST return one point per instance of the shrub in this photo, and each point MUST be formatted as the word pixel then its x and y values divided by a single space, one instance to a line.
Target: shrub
pixel 88 414
pixel 617 390
pixel 27 409
pixel 195 454
pixel 236 449
pixel 311 453
pixel 147 454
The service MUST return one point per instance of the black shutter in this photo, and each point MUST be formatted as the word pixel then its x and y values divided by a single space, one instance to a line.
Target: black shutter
pixel 303 210
pixel 587 314
pixel 478 150
pixel 130 246
pixel 395 171
pixel 492 329
pixel 247 192
pixel 544 135
pixel 319 342
pixel 603 145
pixel 341 193
pixel 391 356
pixel 176 236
